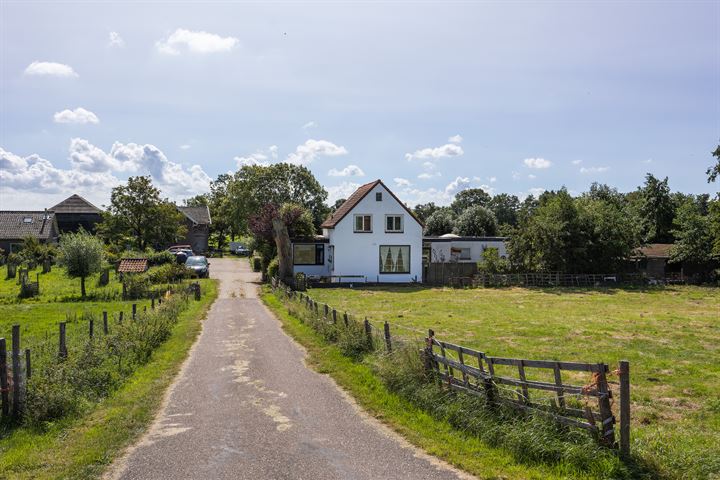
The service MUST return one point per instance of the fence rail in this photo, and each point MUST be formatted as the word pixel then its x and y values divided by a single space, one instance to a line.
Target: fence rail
pixel 555 279
pixel 474 372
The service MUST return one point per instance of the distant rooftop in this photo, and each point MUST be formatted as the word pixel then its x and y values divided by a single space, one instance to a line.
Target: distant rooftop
pixel 18 224
pixel 75 204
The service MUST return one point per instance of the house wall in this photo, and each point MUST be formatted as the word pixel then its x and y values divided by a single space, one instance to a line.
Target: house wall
pixel 359 253
pixel 315 271
pixel 197 237
pixel 440 251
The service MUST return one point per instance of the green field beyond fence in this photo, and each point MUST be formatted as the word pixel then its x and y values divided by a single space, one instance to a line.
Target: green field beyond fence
pixel 671 336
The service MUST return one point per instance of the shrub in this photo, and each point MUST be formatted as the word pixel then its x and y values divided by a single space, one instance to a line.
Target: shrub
pixel 160 258
pixel 82 254
pixel 168 273
pixel 273 267
pixel 136 286
pixel 256 264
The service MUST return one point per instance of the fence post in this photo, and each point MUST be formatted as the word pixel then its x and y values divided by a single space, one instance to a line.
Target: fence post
pixel 17 377
pixel 28 365
pixel 386 331
pixel 5 394
pixel 607 419
pixel 92 328
pixel 368 331
pixel 105 323
pixel 334 316
pixel 326 310
pixel 134 310
pixel 120 317
pixel 197 291
pixel 152 303
pixel 624 407
pixel 345 319
pixel 62 351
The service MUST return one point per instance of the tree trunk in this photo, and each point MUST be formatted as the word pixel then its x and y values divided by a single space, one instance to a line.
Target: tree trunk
pixel 82 286
pixel 282 241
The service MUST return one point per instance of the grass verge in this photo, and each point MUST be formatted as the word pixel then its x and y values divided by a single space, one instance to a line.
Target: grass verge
pixel 83 446
pixel 435 435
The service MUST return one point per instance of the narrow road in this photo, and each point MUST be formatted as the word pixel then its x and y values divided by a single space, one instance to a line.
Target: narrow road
pixel 245 406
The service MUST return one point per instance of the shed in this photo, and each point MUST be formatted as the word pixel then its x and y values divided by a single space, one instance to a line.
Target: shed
pixel 75 212
pixel 197 221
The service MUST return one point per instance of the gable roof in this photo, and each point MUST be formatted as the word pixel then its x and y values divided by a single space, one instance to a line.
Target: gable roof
pixel 197 215
pixel 75 204
pixel 654 250
pixel 17 224
pixel 355 198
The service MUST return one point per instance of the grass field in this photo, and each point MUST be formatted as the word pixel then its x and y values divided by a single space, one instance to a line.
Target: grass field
pixel 670 335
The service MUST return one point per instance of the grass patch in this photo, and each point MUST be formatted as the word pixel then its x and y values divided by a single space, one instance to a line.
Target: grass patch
pixel 82 446
pixel 441 430
pixel 670 335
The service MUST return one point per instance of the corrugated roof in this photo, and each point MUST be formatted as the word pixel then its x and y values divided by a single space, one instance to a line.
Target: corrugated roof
pixel 75 204
pixel 17 224
pixel 355 198
pixel 654 250
pixel 133 265
pixel 197 215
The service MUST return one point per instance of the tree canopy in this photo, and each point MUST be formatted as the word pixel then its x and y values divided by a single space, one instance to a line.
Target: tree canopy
pixel 476 221
pixel 82 254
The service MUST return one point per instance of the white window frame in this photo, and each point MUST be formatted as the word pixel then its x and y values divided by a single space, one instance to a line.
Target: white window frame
pixel 363 215
pixel 402 222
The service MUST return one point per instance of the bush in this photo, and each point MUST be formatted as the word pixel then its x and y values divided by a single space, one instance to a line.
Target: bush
pixel 168 273
pixel 159 258
pixel 273 267
pixel 136 286
pixel 256 264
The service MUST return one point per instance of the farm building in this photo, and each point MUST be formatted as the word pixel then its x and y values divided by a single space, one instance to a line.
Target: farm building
pixel 15 226
pixel 197 221
pixel 450 255
pixel 75 212
pixel 373 237
pixel 653 260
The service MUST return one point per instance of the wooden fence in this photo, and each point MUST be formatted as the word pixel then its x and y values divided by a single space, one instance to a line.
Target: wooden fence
pixel 14 375
pixel 471 371
pixel 554 279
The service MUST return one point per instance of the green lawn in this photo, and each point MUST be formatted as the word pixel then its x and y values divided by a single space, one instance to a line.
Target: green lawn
pixel 671 336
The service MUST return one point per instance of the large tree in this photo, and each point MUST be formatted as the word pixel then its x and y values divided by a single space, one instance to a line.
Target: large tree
pixel 139 215
pixel 476 221
pixel 656 210
pixel 505 207
pixel 693 235
pixel 424 210
pixel 439 223
pixel 713 172
pixel 254 186
pixel 470 197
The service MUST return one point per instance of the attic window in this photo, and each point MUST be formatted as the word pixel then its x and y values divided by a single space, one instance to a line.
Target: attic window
pixel 27 220
pixel 378 196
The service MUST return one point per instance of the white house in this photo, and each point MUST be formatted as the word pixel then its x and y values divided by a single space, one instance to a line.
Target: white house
pixel 372 237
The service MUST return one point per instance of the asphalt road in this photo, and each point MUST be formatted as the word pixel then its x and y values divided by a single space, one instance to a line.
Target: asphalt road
pixel 245 406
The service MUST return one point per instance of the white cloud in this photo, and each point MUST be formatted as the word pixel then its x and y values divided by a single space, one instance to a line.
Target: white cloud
pixel 51 69
pixel 426 176
pixel 195 42
pixel 594 169
pixel 310 124
pixel 576 162
pixel 537 191
pixel 460 183
pixel 414 196
pixel 532 177
pixel 344 190
pixel 349 171
pixel 185 147
pixel 537 163
pixel 429 166
pixel 115 40
pixel 273 150
pixel 649 160
pixel 515 175
pixel 79 115
pixel 307 152
pixel 455 139
pixel 493 179
pixel 401 182
pixel 257 158
pixel 435 153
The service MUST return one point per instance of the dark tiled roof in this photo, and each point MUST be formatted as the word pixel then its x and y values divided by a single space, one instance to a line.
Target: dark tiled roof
pixel 15 225
pixel 654 250
pixel 75 204
pixel 133 265
pixel 349 204
pixel 197 215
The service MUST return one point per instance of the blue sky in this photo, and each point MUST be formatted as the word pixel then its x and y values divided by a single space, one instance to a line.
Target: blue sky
pixel 431 97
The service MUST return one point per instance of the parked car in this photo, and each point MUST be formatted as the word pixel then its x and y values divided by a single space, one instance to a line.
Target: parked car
pixel 199 266
pixel 177 248
pixel 183 255
pixel 242 250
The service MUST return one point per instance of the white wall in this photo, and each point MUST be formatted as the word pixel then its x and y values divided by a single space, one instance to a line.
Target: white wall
pixel 441 250
pixel 314 270
pixel 359 253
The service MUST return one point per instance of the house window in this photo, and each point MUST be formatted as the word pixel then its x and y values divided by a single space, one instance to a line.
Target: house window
pixel 309 254
pixel 363 223
pixel 394 258
pixel 394 223
pixel 464 254
pixel 27 220
pixel 378 196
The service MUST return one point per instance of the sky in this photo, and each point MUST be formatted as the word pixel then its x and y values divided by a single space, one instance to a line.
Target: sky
pixel 430 97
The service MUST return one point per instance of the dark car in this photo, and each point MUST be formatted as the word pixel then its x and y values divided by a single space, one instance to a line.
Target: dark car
pixel 242 250
pixel 199 266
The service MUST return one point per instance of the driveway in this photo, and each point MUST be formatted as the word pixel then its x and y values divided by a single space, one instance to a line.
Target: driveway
pixel 245 406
